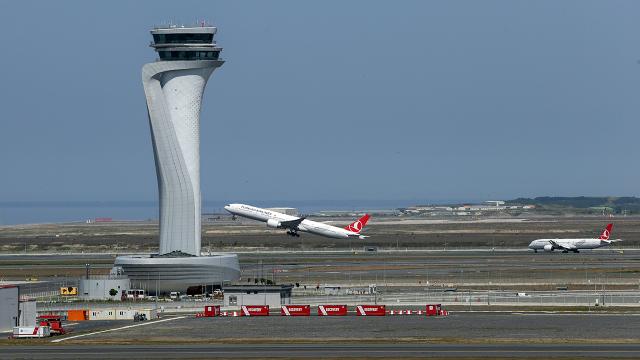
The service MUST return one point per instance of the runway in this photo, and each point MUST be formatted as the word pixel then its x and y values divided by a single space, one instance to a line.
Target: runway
pixel 458 327
pixel 391 350
pixel 404 277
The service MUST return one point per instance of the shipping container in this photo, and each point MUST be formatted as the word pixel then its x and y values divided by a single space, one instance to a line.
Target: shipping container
pixel 295 310
pixel 433 309
pixel 332 310
pixel 77 315
pixel 255 310
pixel 371 310
pixel 212 310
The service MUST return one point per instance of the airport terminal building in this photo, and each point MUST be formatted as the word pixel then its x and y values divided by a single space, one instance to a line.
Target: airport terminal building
pixel 174 86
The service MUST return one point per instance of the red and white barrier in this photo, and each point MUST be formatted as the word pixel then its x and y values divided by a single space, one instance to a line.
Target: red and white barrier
pixel 323 310
pixel 295 310
pixel 332 310
pixel 231 313
pixel 371 310
pixel 402 312
pixel 255 310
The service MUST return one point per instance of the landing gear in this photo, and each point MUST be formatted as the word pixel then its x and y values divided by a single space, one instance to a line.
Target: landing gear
pixel 293 233
pixel 535 250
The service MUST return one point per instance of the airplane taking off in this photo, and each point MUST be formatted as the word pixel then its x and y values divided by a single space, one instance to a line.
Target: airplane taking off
pixel 293 224
pixel 574 245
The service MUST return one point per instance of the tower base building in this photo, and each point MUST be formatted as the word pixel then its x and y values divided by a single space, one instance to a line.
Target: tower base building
pixel 174 86
pixel 163 275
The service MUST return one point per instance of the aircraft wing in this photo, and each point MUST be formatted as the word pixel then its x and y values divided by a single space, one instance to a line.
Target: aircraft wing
pixel 562 245
pixel 292 224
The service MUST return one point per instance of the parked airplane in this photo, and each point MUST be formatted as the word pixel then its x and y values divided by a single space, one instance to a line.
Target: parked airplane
pixel 293 224
pixel 574 245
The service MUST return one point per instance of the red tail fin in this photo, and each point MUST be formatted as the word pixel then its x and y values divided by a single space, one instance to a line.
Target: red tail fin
pixel 358 225
pixel 606 232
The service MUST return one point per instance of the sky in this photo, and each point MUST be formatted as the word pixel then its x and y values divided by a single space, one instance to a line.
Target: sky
pixel 349 100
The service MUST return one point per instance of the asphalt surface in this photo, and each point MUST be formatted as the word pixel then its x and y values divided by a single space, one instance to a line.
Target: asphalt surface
pixel 447 268
pixel 458 326
pixel 322 351
pixel 394 233
pixel 410 268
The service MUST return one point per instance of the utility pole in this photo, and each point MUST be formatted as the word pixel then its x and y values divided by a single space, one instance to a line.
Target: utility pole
pixel 157 281
pixel 604 290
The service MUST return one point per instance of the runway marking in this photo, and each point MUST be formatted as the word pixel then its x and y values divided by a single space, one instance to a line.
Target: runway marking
pixel 534 312
pixel 116 329
pixel 573 314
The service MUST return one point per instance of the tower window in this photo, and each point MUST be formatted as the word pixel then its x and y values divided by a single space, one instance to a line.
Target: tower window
pixel 183 38
pixel 188 55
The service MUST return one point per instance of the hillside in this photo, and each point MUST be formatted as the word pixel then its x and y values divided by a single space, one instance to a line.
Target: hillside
pixel 610 204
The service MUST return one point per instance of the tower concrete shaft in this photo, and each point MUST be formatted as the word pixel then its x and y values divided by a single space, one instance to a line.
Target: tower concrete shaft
pixel 173 87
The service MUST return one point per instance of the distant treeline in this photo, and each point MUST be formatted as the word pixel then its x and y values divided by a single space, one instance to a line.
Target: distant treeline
pixel 630 204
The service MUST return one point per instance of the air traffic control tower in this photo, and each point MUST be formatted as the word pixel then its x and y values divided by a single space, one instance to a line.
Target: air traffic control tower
pixel 173 87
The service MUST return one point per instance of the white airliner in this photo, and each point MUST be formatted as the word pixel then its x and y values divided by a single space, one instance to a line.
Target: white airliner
pixel 293 224
pixel 574 245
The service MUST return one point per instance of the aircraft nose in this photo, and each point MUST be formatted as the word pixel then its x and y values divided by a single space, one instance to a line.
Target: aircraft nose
pixel 227 207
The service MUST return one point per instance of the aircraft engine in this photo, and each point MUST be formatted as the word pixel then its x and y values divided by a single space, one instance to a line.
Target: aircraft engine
pixel 548 247
pixel 273 223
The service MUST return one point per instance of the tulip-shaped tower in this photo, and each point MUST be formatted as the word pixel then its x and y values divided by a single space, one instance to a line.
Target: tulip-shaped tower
pixel 173 87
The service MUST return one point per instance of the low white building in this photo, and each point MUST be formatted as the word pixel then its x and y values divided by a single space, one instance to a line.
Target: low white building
pixel 123 313
pixel 9 307
pixel 100 287
pixel 28 313
pixel 272 295
pixel 332 289
pixel 102 314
